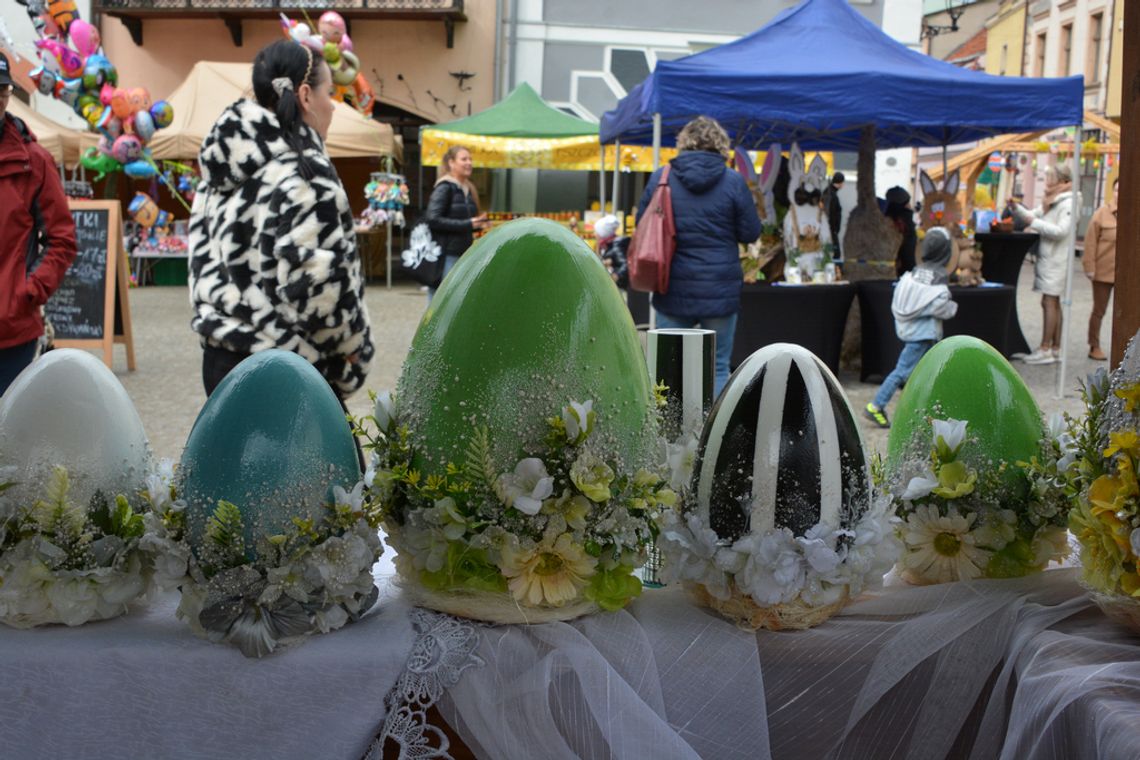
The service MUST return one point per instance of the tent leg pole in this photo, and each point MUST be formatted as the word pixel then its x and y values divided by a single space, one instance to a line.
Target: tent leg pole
pixel 656 165
pixel 1066 303
pixel 388 253
pixel 602 180
pixel 945 165
pixel 617 171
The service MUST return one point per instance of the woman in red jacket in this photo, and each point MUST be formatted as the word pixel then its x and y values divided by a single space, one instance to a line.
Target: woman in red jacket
pixel 37 236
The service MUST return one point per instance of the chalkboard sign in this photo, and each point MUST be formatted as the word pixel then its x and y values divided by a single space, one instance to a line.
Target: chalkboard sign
pixel 76 310
pixel 90 309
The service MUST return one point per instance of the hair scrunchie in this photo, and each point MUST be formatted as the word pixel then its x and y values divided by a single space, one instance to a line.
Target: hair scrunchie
pixel 281 84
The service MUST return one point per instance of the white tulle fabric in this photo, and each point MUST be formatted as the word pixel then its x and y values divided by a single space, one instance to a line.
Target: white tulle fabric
pixel 1023 668
pixel 143 686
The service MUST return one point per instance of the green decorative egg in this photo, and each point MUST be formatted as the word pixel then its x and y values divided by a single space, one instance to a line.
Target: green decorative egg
pixel 964 378
pixel 527 321
pixel 273 441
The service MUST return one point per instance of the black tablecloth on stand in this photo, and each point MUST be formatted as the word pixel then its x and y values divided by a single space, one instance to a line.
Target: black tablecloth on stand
pixel 983 312
pixel 638 304
pixel 812 316
pixel 1002 256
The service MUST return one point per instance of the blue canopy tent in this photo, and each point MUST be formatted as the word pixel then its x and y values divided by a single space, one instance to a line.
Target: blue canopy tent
pixel 820 74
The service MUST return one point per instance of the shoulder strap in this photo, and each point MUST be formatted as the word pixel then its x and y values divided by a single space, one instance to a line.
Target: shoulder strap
pixel 664 178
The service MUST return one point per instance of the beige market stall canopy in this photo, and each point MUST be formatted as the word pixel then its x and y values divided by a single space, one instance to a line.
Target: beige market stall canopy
pixel 63 143
pixel 211 86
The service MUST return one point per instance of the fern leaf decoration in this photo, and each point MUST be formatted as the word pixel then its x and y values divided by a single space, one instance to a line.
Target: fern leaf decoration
pixel 225 530
pixel 56 513
pixel 477 464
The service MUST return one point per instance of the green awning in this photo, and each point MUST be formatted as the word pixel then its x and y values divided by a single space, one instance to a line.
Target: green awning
pixel 521 114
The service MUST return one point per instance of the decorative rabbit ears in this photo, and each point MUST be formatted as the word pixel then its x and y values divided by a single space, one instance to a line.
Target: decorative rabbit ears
pixel 771 168
pixel 950 186
pixel 816 176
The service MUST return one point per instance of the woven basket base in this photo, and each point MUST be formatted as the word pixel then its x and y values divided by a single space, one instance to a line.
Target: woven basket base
pixel 741 610
pixel 1121 609
pixel 492 608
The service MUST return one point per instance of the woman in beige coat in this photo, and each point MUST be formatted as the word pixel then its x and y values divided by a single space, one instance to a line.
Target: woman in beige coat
pixel 1100 266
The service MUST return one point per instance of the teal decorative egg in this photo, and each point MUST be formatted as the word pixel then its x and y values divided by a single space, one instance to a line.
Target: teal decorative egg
pixel 273 441
pixel 526 322
pixel 67 409
pixel 964 378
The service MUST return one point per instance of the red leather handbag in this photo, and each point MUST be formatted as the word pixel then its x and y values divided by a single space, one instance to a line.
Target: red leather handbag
pixel 651 250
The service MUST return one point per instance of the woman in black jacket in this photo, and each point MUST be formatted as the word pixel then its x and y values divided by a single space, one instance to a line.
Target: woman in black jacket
pixel 453 209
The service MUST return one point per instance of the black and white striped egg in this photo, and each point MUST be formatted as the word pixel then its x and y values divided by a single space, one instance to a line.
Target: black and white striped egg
pixel 780 449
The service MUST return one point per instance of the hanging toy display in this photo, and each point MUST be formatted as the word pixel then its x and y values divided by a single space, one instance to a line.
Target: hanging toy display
pixel 75 71
pixel 387 194
pixel 332 42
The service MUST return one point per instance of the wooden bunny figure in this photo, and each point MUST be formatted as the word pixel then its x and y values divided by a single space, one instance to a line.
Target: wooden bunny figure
pixel 806 232
pixel 941 208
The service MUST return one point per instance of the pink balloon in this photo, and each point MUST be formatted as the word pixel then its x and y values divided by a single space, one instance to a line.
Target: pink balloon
pixel 84 37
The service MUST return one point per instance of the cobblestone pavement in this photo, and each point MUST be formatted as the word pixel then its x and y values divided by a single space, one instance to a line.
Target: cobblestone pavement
pixel 167 386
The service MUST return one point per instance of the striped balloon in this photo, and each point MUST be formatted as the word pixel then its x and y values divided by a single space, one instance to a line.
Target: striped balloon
pixel 780 449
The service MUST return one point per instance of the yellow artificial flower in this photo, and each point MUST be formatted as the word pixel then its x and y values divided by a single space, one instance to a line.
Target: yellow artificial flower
pixel 1104 502
pixel 1101 555
pixel 1131 395
pixel 1124 440
pixel 955 480
pixel 1130 582
pixel 552 573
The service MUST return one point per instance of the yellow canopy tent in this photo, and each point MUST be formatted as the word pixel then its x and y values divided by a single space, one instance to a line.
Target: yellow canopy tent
pixel 211 86
pixel 63 143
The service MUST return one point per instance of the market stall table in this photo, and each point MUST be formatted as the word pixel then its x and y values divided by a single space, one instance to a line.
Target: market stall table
pixel 144 261
pixel 812 316
pixel 983 312
pixel 1021 668
pixel 1002 256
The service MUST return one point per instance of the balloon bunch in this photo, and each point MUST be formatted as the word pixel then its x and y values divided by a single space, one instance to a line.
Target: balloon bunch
pixel 75 71
pixel 334 45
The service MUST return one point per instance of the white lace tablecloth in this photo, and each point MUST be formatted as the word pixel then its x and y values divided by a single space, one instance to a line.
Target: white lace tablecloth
pixel 1016 669
pixel 143 686
pixel 1025 669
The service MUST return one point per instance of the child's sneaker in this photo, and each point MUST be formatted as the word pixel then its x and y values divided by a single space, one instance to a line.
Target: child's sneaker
pixel 876 415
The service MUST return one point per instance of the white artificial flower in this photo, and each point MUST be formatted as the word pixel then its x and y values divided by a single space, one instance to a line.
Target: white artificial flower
pixel 818 546
pixel 385 412
pixel 952 432
pixel 921 486
pixel 338 561
pixel 579 421
pixel 331 618
pixel 353 499
pixel 942 549
pixel 526 487
pixel 774 570
pixel 997 529
pixel 692 552
pixel 681 457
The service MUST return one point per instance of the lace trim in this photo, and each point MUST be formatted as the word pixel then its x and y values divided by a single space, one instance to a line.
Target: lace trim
pixel 444 648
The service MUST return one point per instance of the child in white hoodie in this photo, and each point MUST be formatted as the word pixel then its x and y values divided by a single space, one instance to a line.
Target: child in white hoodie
pixel 921 301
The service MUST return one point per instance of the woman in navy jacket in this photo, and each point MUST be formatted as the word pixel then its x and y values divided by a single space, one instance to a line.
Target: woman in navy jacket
pixel 713 211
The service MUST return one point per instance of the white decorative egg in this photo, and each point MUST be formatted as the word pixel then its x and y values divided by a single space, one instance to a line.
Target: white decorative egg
pixel 67 409
pixel 780 449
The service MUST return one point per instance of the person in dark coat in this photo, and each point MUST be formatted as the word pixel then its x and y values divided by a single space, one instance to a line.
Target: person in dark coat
pixel 713 211
pixel 453 209
pixel 37 236
pixel 901 216
pixel 834 210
